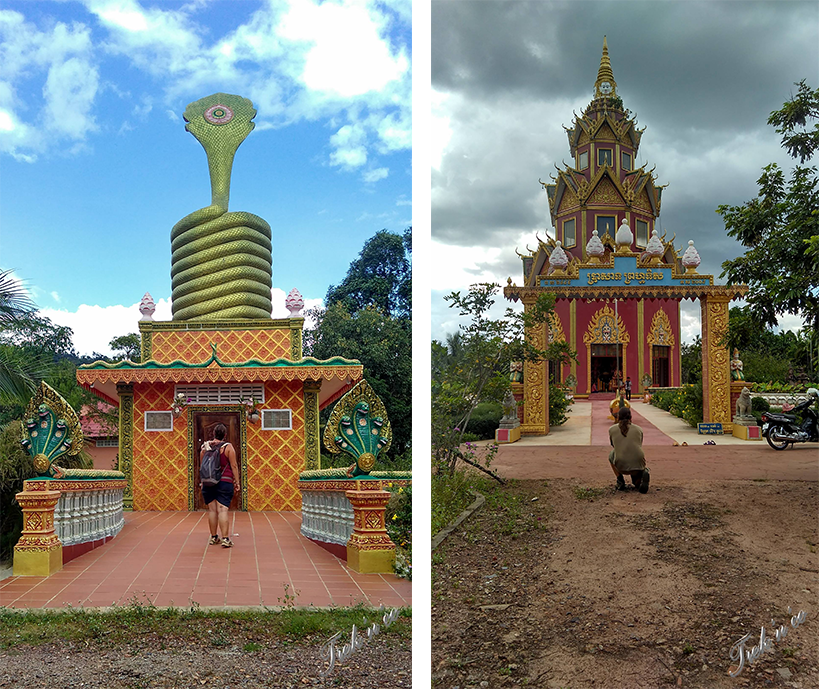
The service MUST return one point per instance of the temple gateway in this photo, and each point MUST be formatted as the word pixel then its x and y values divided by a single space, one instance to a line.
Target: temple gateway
pixel 617 281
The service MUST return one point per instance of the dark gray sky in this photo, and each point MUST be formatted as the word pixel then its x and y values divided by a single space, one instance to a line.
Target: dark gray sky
pixel 701 78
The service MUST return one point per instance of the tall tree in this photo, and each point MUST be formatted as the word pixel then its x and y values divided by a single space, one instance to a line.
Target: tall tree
pixel 780 225
pixel 368 317
pixel 381 276
pixel 126 347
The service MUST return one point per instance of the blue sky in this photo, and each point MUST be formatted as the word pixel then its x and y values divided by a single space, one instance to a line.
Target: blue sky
pixel 96 165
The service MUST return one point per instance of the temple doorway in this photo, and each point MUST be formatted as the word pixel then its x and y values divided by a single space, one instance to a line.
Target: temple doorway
pixel 204 424
pixel 660 358
pixel 604 368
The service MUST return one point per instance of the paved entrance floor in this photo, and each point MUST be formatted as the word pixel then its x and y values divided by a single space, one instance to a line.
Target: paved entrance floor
pixel 579 449
pixel 164 558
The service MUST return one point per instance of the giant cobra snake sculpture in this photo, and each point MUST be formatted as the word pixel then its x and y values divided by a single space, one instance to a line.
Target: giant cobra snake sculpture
pixel 221 263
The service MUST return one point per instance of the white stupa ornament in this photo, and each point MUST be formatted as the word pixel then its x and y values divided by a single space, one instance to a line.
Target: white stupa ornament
pixel 594 248
pixel 294 303
pixel 691 258
pixel 558 260
pixel 624 237
pixel 147 307
pixel 655 248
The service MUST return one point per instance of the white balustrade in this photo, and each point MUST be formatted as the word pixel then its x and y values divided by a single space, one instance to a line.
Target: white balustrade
pixel 86 516
pixel 327 516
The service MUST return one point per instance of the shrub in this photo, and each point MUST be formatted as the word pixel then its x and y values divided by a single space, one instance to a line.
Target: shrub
pixel 398 520
pixel 558 406
pixel 684 402
pixel 760 404
pixel 485 420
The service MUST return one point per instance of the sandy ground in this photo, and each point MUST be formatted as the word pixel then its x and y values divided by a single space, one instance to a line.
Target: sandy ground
pixel 623 590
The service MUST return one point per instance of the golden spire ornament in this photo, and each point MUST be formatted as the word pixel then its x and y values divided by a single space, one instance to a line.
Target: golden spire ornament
pixel 605 86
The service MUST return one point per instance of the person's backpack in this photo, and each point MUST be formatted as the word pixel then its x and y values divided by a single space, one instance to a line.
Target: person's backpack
pixel 210 469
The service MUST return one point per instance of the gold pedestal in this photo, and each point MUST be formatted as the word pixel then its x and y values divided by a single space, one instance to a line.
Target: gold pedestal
pixel 369 549
pixel 39 552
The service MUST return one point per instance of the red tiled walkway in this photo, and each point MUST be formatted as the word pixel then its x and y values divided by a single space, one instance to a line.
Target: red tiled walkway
pixel 601 422
pixel 164 558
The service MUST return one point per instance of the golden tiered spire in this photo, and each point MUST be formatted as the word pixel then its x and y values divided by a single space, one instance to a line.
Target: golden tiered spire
pixel 605 86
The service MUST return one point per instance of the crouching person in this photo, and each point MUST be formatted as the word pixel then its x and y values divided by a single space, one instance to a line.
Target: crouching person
pixel 627 456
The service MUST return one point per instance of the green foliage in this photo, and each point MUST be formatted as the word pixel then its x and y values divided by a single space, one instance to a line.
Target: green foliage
pixel 760 404
pixel 691 362
pixel 473 366
pixel 684 402
pixel 127 347
pixel 398 519
pixel 368 317
pixel 381 276
pixel 779 226
pixel 558 406
pixel 485 421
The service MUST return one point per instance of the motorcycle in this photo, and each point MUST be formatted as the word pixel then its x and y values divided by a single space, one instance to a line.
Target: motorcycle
pixel 781 430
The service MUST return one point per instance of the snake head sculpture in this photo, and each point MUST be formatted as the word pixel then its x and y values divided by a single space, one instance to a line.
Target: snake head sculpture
pixel 220 122
pixel 359 427
pixel 51 429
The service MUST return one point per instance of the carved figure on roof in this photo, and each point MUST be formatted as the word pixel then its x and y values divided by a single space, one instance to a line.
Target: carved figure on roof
pixel 516 372
pixel 51 429
pixel 558 260
pixel 624 237
pixel 221 265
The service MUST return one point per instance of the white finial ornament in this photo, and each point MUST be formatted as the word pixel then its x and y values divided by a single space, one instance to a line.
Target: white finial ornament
pixel 147 307
pixel 655 249
pixel 691 259
pixel 594 248
pixel 624 237
pixel 558 260
pixel 294 303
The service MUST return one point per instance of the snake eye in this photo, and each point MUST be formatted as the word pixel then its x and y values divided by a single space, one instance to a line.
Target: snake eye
pixel 218 114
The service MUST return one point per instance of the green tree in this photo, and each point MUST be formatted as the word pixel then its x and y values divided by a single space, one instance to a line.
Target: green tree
pixel 127 347
pixel 781 224
pixel 367 317
pixel 474 367
pixel 381 276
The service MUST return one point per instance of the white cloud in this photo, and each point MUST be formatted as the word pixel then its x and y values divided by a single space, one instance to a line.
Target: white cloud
pixel 376 174
pixel 350 151
pixel 55 296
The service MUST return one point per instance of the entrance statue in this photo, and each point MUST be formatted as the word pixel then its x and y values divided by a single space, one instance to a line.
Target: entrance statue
pixel 736 367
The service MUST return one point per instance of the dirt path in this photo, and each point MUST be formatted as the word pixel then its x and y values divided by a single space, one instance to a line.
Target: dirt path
pixel 625 590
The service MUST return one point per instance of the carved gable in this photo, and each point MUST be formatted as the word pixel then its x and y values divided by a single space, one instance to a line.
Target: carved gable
pixel 568 202
pixel 605 194
pixel 604 328
pixel 660 332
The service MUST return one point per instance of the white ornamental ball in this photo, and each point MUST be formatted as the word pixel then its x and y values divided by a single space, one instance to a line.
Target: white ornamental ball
pixel 624 236
pixel 595 246
pixel 294 302
pixel 655 246
pixel 147 307
pixel 558 257
pixel 691 258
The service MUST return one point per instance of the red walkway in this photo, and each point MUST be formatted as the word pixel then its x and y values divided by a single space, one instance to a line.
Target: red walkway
pixel 601 422
pixel 164 558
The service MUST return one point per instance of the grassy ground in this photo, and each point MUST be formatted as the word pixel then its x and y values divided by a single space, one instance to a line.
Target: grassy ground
pixel 121 625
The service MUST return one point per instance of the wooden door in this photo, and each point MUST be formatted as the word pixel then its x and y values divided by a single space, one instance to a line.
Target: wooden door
pixel 204 423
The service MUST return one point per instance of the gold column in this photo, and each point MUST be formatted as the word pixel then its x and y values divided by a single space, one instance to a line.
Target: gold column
pixel 536 386
pixel 369 548
pixel 126 441
pixel 39 552
pixel 641 344
pixel 716 372
pixel 296 326
pixel 573 330
pixel 312 441
pixel 145 344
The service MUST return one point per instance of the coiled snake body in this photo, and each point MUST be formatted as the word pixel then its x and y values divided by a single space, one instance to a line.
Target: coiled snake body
pixel 221 262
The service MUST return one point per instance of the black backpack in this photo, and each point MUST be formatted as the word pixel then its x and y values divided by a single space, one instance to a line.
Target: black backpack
pixel 210 469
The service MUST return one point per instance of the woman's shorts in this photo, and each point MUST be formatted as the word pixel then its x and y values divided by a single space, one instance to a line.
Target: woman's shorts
pixel 222 491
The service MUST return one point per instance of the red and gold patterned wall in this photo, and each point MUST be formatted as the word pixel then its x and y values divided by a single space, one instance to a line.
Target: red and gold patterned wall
pixel 160 464
pixel 275 458
pixel 232 346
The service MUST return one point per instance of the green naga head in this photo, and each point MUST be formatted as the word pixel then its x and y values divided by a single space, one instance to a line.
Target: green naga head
pixel 220 122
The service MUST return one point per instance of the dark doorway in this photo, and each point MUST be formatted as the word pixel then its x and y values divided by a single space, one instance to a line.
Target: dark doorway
pixel 204 423
pixel 604 368
pixel 660 358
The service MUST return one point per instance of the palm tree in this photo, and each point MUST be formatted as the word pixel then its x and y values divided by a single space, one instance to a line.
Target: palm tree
pixel 18 375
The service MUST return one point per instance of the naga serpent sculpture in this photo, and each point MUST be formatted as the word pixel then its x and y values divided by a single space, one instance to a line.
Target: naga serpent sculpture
pixel 221 263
